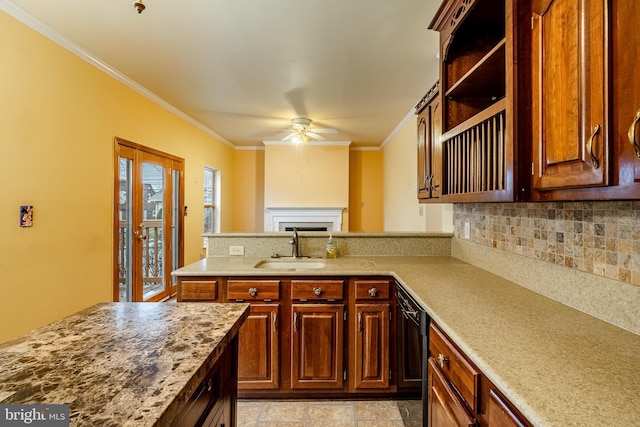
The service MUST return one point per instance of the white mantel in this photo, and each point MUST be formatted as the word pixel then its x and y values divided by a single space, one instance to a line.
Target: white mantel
pixel 303 215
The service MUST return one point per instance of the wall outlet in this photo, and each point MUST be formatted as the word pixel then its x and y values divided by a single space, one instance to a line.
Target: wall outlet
pixel 236 250
pixel 420 210
pixel 467 230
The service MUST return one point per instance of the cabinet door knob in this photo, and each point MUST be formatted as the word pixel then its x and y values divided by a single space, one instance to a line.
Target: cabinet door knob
pixel 373 292
pixel 253 292
pixel 594 160
pixel 442 360
pixel 317 291
pixel 632 134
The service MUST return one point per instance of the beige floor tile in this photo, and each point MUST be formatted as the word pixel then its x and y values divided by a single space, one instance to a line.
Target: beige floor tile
pixel 377 410
pixel 383 423
pixel 284 411
pixel 331 414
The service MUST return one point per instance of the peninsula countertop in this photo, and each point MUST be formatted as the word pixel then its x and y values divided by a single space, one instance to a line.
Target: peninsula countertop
pixel 119 364
pixel 559 366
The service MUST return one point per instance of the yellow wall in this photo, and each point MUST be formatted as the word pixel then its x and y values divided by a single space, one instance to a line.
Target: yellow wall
pixel 59 115
pixel 248 210
pixel 365 191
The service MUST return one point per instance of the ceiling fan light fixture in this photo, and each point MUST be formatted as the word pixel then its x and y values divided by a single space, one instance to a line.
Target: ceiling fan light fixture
pixel 139 6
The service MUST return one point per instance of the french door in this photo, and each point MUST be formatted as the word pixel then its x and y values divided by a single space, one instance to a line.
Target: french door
pixel 148 222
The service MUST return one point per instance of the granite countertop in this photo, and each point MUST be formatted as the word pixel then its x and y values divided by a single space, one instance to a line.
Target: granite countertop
pixel 559 366
pixel 119 364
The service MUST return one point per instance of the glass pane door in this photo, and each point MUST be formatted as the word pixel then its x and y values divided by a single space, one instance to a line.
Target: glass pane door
pixel 148 226
pixel 151 231
pixel 125 287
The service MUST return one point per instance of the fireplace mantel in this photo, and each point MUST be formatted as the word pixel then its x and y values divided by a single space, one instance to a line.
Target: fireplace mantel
pixel 304 215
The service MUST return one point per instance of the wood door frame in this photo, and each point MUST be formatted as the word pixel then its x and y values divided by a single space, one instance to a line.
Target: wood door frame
pixel 177 163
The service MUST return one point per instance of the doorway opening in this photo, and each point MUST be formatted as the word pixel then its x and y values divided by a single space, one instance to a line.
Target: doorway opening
pixel 148 222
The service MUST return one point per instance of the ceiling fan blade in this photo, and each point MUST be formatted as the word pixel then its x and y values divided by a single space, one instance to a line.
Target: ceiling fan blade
pixel 323 130
pixel 291 135
pixel 314 135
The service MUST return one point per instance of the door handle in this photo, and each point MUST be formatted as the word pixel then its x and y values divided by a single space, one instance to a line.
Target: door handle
pixel 632 134
pixel 275 322
pixel 295 322
pixel 594 160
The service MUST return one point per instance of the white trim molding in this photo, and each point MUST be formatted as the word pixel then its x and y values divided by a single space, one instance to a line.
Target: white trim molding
pixel 306 215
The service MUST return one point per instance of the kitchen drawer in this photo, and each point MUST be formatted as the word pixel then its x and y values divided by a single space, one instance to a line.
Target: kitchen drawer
pixel 462 375
pixel 198 290
pixel 253 290
pixel 445 408
pixel 317 290
pixel 372 289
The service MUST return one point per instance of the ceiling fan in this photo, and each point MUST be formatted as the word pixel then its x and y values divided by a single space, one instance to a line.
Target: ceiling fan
pixel 303 132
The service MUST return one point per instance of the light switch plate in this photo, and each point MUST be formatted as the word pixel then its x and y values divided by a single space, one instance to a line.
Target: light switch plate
pixel 236 250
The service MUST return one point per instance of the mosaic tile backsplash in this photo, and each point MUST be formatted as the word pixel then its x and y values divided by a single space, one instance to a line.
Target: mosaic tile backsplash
pixel 602 238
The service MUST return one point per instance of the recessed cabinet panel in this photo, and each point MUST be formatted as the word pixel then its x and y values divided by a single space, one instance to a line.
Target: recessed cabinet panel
pixel 259 355
pixel 197 290
pixel 317 346
pixel 372 346
pixel 570 90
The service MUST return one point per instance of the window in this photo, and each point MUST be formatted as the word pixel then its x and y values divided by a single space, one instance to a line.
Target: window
pixel 211 201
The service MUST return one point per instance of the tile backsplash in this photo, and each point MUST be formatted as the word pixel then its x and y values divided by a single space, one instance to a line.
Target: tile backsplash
pixel 602 238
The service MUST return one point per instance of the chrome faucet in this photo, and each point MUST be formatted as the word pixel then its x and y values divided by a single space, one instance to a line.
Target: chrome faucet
pixel 295 244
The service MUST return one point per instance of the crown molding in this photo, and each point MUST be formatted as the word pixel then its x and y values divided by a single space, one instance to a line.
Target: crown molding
pixel 33 23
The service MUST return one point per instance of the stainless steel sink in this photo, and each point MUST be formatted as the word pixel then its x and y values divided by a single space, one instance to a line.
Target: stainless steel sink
pixel 290 264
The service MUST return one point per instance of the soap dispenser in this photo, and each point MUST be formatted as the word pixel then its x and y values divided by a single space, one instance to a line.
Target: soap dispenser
pixel 331 248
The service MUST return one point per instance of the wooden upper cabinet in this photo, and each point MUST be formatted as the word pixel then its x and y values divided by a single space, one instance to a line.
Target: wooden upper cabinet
pixel 482 76
pixel 429 148
pixel 570 91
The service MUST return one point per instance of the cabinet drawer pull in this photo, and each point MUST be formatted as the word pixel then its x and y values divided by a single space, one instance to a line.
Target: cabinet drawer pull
pixel 317 291
pixel 359 322
pixel 373 292
pixel 632 134
pixel 275 322
pixel 442 360
pixel 253 292
pixel 295 322
pixel 594 160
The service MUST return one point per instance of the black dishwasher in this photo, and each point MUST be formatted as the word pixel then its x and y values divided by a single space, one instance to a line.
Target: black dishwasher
pixel 412 354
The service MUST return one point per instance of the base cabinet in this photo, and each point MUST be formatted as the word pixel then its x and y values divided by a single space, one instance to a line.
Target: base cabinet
pixel 317 346
pixel 214 402
pixel 459 394
pixel 259 349
pixel 259 341
pixel 371 353
pixel 309 336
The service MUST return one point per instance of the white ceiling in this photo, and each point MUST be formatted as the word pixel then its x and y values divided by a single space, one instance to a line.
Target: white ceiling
pixel 245 68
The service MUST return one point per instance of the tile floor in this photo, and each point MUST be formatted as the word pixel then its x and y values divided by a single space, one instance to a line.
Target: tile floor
pixel 334 413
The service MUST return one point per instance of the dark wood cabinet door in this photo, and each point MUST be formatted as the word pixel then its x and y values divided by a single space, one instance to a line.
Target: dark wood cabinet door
pixel 500 414
pixel 423 169
pixel 371 346
pixel 571 141
pixel 429 147
pixel 626 96
pixel 445 409
pixel 259 353
pixel 317 346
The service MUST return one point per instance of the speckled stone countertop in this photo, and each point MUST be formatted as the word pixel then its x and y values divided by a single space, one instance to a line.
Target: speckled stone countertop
pixel 559 366
pixel 119 364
